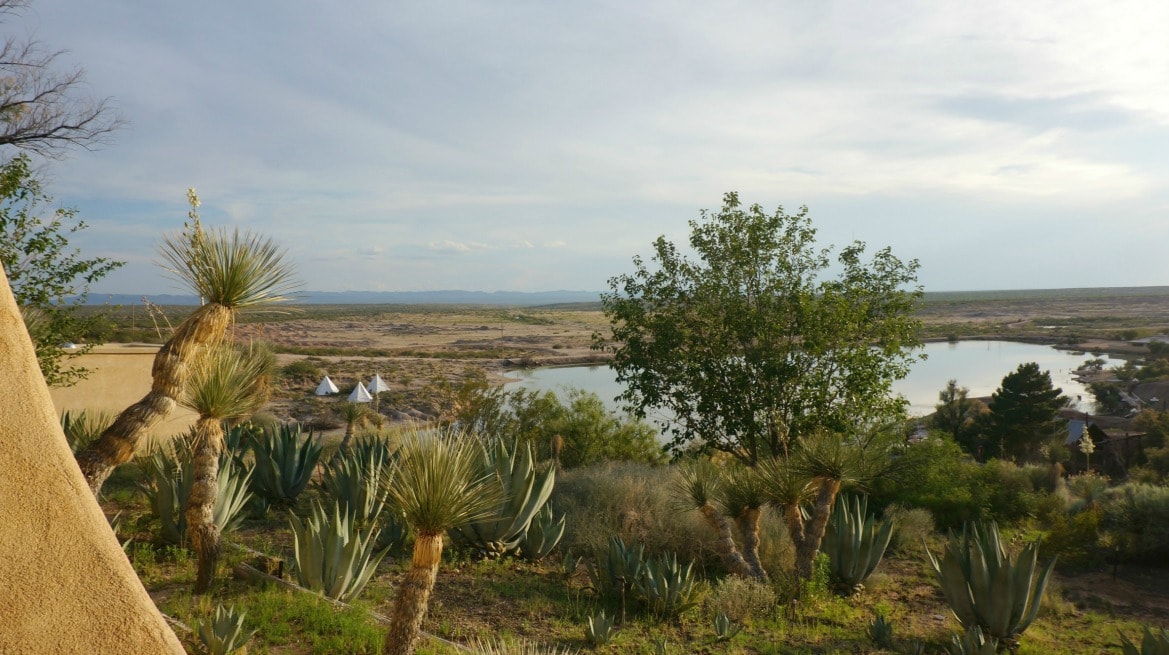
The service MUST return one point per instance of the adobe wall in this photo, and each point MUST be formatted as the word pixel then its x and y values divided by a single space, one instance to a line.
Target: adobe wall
pixel 67 586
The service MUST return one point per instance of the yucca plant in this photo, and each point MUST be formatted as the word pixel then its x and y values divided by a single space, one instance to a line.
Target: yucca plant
pixel 225 383
pixel 699 486
pixel 169 477
pixel 881 631
pixel 526 489
pixel 225 633
pixel 669 588
pixel 542 535
pixel 285 459
pixel 353 414
pixel 84 426
pixel 438 483
pixel 986 587
pixel 972 642
pixel 599 629
pixel 518 647
pixel 854 542
pixel 1152 643
pixel 333 557
pixel 231 273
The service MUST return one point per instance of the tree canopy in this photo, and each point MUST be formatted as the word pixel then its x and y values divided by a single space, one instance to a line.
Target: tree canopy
pixel 1024 413
pixel 753 342
pixel 49 279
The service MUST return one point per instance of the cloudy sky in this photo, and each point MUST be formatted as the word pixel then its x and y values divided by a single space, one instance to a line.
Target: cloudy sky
pixel 541 145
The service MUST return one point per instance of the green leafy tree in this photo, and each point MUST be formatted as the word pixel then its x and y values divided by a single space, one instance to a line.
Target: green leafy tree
pixel 1024 413
pixel 956 414
pixel 49 279
pixel 753 344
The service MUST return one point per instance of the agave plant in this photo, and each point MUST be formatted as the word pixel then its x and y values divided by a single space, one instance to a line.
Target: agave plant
pixel 724 628
pixel 230 273
pixel 668 588
pixel 332 556
pixel 285 461
pixel 854 542
pixel 355 480
pixel 169 477
pixel 972 642
pixel 1152 643
pixel 613 571
pixel 526 489
pixel 986 587
pixel 83 427
pixel 881 631
pixel 224 634
pixel 599 629
pixel 542 535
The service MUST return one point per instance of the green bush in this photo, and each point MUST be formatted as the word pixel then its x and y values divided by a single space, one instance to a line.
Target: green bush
pixel 741 599
pixel 1137 515
pixel 1075 539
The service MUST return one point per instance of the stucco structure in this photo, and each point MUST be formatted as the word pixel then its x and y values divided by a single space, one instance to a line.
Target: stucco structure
pixel 65 585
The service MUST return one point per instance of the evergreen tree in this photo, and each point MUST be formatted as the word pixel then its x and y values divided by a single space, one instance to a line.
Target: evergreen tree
pixel 1024 413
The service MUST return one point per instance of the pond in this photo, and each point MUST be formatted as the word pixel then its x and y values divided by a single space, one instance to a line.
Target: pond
pixel 978 365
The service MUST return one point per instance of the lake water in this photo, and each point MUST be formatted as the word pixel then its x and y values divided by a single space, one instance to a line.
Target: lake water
pixel 978 365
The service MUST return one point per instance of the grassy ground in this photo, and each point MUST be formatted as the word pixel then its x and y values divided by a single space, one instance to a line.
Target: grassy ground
pixel 514 599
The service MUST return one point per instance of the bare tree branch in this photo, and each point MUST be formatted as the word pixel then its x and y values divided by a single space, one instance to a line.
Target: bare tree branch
pixel 42 109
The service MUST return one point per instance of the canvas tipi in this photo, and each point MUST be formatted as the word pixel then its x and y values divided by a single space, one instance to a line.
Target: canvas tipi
pixel 360 395
pixel 376 386
pixel 326 387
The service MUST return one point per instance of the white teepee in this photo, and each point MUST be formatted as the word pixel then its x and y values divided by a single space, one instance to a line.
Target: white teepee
pixel 326 387
pixel 360 395
pixel 377 385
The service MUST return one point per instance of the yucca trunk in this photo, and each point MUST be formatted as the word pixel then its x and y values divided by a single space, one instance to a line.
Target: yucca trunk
pixel 200 510
pixel 813 534
pixel 350 428
pixel 118 442
pixel 749 526
pixel 727 550
pixel 414 595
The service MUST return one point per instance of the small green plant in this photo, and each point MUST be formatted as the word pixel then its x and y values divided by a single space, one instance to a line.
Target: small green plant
pixel 742 599
pixel 1152 643
pixel 661 646
pixel 915 647
pixel 332 556
pixel 519 647
pixel 599 629
pixel 224 634
pixel 724 628
pixel 972 642
pixel 569 564
pixel 881 631
pixel 613 572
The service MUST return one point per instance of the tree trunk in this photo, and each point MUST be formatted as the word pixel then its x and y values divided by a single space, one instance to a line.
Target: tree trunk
pixel 730 554
pixel 414 595
pixel 350 428
pixel 200 510
pixel 749 526
pixel 806 549
pixel 117 444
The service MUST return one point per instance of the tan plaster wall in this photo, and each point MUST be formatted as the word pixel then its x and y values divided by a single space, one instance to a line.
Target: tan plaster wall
pixel 65 584
pixel 119 377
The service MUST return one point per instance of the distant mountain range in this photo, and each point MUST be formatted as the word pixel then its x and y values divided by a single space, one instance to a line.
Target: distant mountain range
pixel 382 298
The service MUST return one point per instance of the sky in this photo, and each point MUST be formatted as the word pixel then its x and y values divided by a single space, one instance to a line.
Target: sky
pixel 536 146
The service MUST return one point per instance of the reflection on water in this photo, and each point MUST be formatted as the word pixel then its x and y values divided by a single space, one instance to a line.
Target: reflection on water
pixel 978 365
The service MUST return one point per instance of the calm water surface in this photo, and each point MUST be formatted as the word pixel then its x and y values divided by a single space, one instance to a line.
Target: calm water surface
pixel 978 365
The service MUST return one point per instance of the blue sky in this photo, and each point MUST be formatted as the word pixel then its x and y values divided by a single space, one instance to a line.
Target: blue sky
pixel 541 145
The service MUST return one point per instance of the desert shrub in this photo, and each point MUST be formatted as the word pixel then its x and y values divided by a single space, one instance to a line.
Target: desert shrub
pixel 303 370
pixel 631 501
pixel 914 526
pixel 1005 493
pixel 1075 539
pixel 1137 515
pixel 741 599
pixel 934 475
